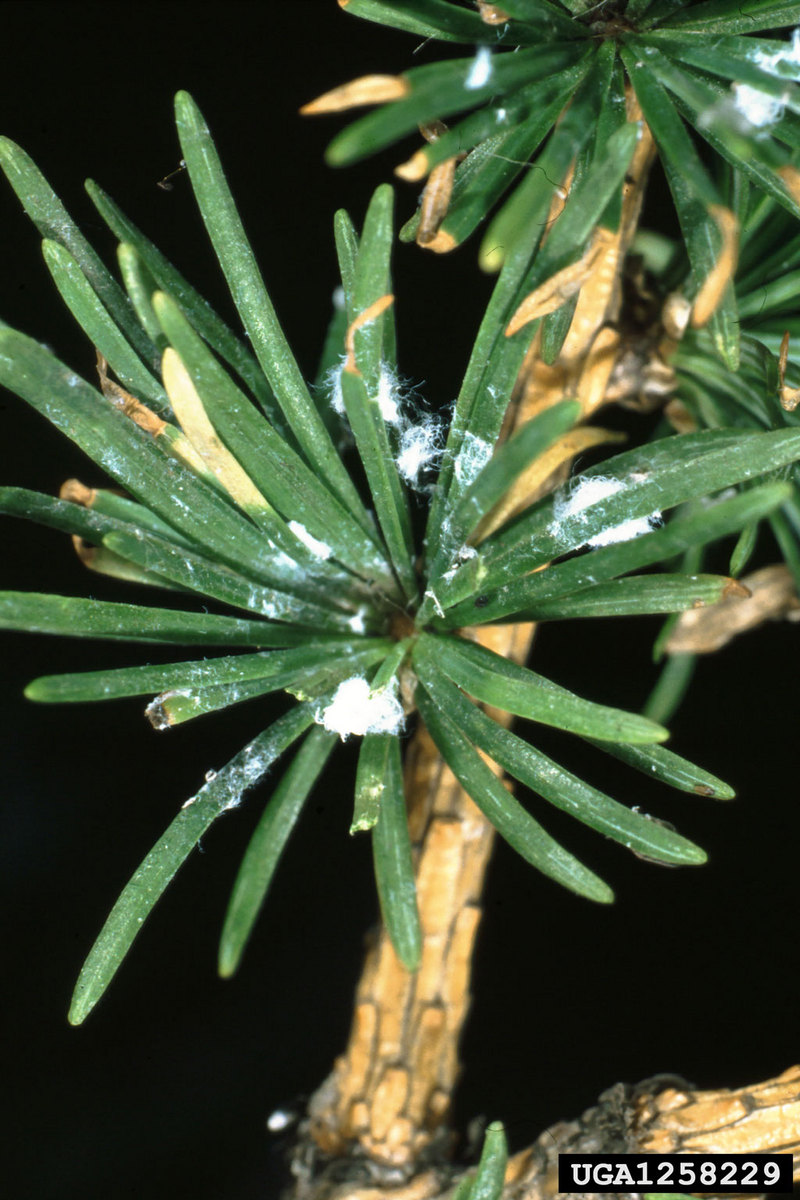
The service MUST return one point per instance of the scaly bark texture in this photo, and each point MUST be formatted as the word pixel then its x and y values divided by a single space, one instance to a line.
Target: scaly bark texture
pixel 378 1127
pixel 391 1090
pixel 659 1116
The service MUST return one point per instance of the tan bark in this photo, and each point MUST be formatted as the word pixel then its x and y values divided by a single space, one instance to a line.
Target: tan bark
pixel 391 1090
pixel 665 1117
pixel 659 1116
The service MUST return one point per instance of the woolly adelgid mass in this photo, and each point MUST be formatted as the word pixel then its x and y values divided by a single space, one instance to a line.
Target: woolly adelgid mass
pixel 355 708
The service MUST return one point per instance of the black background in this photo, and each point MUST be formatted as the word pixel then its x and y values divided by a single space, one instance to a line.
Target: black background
pixel 169 1083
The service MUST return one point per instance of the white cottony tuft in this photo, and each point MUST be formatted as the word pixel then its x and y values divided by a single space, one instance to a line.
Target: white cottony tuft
pixel 354 708
pixel 388 396
pixel 626 531
pixel 758 108
pixel 590 491
pixel 792 53
pixel 357 622
pixel 321 549
pixel 749 108
pixel 787 55
pixel 419 450
pixel 584 494
pixel 481 69
pixel 333 383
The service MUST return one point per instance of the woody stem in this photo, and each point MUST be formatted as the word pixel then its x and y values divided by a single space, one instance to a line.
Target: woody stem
pixel 391 1090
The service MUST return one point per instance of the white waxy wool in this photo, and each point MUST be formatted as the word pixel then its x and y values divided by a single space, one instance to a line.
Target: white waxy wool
pixel 787 56
pixel 481 69
pixel 321 549
pixel 585 493
pixel 388 397
pixel 333 383
pixel 758 108
pixel 588 492
pixel 626 531
pixel 355 709
pixel 357 623
pixel 419 450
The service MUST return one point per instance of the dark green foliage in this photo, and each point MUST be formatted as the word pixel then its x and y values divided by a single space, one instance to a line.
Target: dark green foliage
pixel 687 62
pixel 236 489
